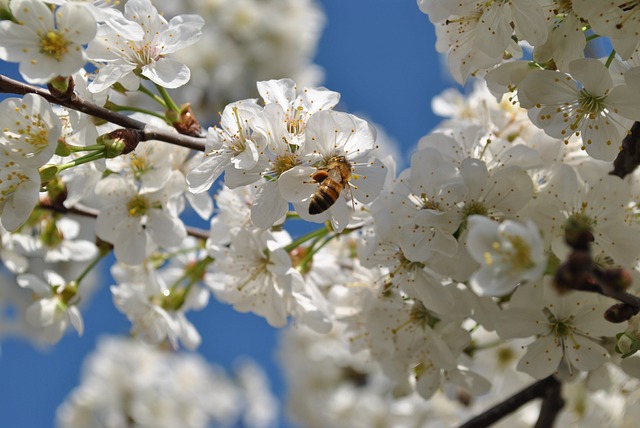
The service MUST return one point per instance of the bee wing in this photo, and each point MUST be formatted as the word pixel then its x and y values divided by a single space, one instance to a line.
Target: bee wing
pixel 334 174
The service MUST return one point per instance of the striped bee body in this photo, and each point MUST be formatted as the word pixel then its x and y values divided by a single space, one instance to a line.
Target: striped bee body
pixel 333 179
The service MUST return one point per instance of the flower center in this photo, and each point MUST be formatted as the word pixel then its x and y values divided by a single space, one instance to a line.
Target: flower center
pixel 296 123
pixel 423 202
pixel 474 207
pixel 420 315
pixel 284 163
pixel 138 206
pixel 514 250
pixel 54 44
pixel 144 54
pixel 589 104
pixel 559 328
pixel 139 165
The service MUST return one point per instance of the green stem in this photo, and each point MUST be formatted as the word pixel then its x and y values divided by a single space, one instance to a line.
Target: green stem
pixel 313 251
pixel 93 156
pixel 167 98
pixel 119 108
pixel 94 262
pixel 301 240
pixel 93 147
pixel 592 37
pixel 612 55
pixel 193 273
pixel 152 96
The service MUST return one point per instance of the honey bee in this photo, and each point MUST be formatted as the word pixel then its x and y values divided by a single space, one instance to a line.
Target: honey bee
pixel 333 179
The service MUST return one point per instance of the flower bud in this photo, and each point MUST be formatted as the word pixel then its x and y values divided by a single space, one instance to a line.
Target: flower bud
pixel 119 142
pixel 577 232
pixel 185 121
pixel 576 273
pixel 618 279
pixel 61 87
pixel 627 344
pixel 5 12
pixel 620 312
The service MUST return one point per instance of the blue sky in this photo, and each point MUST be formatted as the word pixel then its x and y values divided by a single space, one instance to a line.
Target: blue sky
pixel 379 54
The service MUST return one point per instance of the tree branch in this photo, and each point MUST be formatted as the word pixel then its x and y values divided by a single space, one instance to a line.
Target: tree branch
pixel 629 157
pixel 74 102
pixel 552 404
pixel 542 388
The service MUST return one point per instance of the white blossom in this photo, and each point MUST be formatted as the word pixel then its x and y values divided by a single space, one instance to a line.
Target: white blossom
pixel 256 274
pixel 19 191
pixel 124 381
pixel 131 219
pixel 233 146
pixel 509 252
pixel 29 129
pixel 566 329
pixel 584 103
pixel 125 55
pixel 51 311
pixel 46 43
pixel 330 135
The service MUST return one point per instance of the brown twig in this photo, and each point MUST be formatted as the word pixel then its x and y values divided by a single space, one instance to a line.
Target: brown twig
pixel 629 157
pixel 620 295
pixel 74 102
pixel 540 389
pixel 552 404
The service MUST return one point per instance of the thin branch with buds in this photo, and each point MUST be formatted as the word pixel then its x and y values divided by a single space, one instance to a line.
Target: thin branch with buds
pixel 74 102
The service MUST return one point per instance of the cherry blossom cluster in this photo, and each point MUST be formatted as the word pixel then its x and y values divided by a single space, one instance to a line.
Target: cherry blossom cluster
pixel 125 380
pixel 565 93
pixel 254 40
pixel 505 253
pixel 448 287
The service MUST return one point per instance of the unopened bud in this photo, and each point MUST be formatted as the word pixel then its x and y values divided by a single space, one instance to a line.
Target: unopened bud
pixel 620 312
pixel 185 121
pixel 577 232
pixel 575 273
pixel 618 279
pixel 61 87
pixel 627 344
pixel 5 12
pixel 119 142
pixel 175 299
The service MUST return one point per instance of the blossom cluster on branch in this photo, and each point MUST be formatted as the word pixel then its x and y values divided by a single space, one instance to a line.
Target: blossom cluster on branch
pixel 507 252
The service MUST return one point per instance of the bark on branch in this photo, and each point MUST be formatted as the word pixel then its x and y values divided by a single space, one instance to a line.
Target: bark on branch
pixel 74 102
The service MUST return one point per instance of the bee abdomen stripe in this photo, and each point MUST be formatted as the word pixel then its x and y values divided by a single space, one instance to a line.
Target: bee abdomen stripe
pixel 323 199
